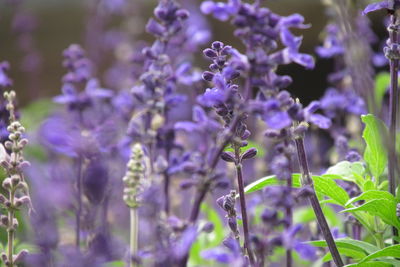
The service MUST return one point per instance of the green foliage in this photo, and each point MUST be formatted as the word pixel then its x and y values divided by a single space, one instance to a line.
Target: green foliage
pixel 348 243
pixel 305 215
pixel 392 251
pixel 207 240
pixel 383 208
pixel 348 171
pixel 324 185
pixel 31 116
pixel 34 113
pixel 375 153
pixel 382 82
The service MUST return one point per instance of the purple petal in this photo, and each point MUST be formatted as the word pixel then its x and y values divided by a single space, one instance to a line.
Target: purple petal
pixel 303 59
pixel 294 20
pixel 306 251
pixel 216 254
pixel 289 40
pixel 186 126
pixel 376 6
pixel 320 120
pixel 199 115
pixel 155 28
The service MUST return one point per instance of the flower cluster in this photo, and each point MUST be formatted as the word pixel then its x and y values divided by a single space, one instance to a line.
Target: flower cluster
pixel 133 178
pixel 15 183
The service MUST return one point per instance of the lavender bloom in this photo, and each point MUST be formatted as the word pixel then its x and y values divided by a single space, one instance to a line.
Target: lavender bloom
pixel 80 69
pixel 332 46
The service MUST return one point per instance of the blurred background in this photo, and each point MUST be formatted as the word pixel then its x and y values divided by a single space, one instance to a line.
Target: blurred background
pixel 33 34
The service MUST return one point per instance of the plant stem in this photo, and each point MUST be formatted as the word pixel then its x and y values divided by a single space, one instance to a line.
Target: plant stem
pixel 133 236
pixel 289 210
pixel 166 182
pixel 11 230
pixel 289 217
pixel 79 210
pixel 202 191
pixel 307 181
pixel 394 68
pixel 243 209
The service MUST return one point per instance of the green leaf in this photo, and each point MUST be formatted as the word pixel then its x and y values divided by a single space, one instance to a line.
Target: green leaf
pixel 207 240
pixel 370 264
pixel 368 186
pixel 375 154
pixel 383 208
pixel 323 185
pixel 271 181
pixel 348 252
pixel 371 195
pixel 329 187
pixel 382 81
pixel 349 244
pixel 392 251
pixel 345 170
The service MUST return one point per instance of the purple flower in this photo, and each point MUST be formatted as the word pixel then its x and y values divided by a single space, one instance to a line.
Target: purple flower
pixel 332 45
pixel 274 116
pixel 201 122
pixel 220 10
pixel 5 81
pixel 317 119
pixel 386 4
pixel 81 100
pixel 79 67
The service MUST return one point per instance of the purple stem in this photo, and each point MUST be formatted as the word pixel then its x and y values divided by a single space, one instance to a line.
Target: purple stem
pixel 243 208
pixel 79 210
pixel 307 181
pixel 394 94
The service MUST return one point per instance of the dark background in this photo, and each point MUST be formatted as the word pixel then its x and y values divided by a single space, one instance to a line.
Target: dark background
pixel 62 22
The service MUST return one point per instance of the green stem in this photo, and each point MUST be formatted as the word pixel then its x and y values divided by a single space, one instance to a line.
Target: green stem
pixel 134 236
pixel 11 230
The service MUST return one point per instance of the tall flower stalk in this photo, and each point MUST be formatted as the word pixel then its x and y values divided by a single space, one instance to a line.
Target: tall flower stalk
pixel 392 53
pixel 308 185
pixel 14 184
pixel 133 181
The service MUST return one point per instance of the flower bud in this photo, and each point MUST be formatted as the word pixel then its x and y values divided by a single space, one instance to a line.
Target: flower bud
pixel 228 156
pixel 217 45
pixel 4 220
pixel 4 257
pixel 208 227
pixel 208 76
pixel 7 184
pixel 15 180
pixel 208 52
pixel 250 153
pixel 182 14
pixel 20 256
pixel 232 222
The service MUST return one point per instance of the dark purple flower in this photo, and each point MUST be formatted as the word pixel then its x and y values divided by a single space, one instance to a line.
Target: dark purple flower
pixel 5 81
